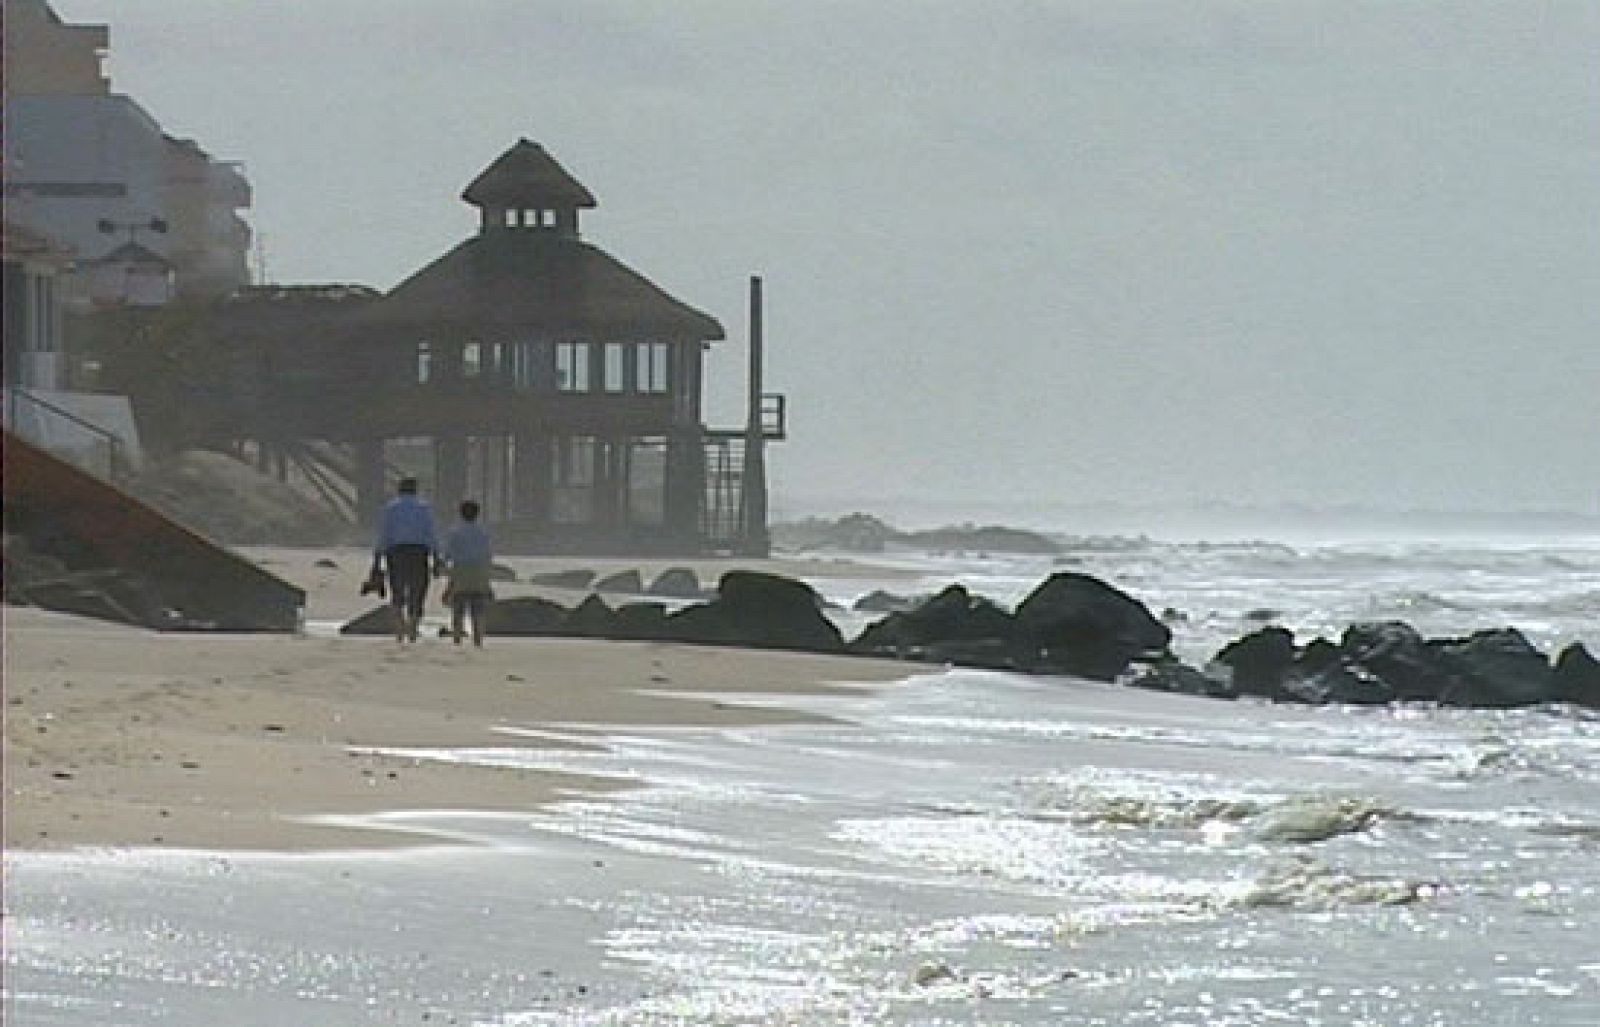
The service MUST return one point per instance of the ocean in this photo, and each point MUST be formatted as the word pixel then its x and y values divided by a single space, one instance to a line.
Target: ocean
pixel 966 848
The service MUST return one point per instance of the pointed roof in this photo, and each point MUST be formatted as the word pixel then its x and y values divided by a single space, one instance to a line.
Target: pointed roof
pixel 133 253
pixel 527 176
pixel 515 282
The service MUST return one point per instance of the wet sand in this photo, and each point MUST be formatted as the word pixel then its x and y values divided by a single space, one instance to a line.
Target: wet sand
pixel 122 737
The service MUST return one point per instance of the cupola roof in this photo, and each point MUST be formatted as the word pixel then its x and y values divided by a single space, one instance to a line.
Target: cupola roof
pixel 525 176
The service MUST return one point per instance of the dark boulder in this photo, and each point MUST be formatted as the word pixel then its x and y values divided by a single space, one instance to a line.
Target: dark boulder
pixel 640 622
pixel 377 621
pixel 1173 675
pixel 625 582
pixel 525 615
pixel 1390 661
pixel 954 615
pixel 591 618
pixel 1258 663
pixel 1077 624
pixel 879 601
pixel 677 583
pixel 1321 675
pixel 1393 653
pixel 1495 668
pixel 759 610
pixel 1577 677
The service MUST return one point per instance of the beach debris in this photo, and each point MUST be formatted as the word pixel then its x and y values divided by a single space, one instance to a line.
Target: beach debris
pixel 327 564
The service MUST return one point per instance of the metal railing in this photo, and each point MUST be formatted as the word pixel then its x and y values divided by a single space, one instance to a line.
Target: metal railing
pixel 115 463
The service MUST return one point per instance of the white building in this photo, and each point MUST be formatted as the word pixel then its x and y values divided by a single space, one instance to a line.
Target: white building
pixel 94 170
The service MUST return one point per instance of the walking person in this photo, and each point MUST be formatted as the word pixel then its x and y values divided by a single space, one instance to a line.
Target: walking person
pixel 468 553
pixel 408 544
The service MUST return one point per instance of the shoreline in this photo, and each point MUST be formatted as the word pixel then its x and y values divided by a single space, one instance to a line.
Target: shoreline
pixel 121 737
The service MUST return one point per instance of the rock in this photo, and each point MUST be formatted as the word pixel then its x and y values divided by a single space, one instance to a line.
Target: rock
pixel 1319 676
pixel 1173 675
pixel 879 601
pixel 640 621
pixel 1257 663
pixel 622 582
pixel 525 615
pixel 954 622
pixel 326 564
pixel 1576 678
pixel 1392 652
pixel 677 583
pixel 377 621
pixel 1495 668
pixel 574 579
pixel 758 610
pixel 1389 661
pixel 591 618
pixel 1077 624
pixel 501 572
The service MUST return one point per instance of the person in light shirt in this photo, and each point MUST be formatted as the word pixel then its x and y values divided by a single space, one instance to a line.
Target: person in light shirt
pixel 469 556
pixel 409 546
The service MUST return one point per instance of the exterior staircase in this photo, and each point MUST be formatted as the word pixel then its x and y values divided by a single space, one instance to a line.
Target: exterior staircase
pixel 77 543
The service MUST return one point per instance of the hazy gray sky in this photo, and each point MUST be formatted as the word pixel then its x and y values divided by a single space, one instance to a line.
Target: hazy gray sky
pixel 1037 252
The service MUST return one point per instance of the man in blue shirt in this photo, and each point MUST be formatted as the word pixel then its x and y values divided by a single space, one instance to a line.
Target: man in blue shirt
pixel 408 544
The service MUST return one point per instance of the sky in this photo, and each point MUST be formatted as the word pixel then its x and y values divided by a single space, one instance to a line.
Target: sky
pixel 1017 255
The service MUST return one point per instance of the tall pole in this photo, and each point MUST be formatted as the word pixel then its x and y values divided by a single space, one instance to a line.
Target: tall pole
pixel 754 540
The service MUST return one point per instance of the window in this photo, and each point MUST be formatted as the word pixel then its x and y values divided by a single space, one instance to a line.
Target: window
pixel 511 219
pixel 616 367
pixel 572 366
pixel 471 360
pixel 650 371
pixel 574 463
pixel 424 363
pixel 549 219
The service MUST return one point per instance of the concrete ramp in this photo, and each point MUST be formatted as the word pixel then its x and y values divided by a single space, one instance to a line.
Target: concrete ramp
pixel 77 543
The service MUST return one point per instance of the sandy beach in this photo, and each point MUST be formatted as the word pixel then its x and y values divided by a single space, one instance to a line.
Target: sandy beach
pixel 123 737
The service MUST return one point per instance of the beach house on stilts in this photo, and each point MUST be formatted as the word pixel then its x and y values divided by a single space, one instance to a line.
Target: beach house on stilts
pixel 532 370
